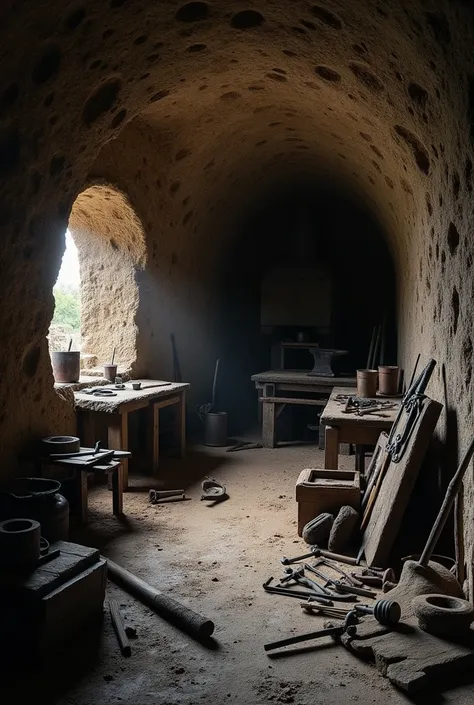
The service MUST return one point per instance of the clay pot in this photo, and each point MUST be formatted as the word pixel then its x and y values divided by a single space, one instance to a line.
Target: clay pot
pixel 367 383
pixel 66 366
pixel 388 379
pixel 110 372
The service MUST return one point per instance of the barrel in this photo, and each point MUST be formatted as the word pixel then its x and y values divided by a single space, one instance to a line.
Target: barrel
pixel 388 379
pixel 66 365
pixel 215 428
pixel 366 383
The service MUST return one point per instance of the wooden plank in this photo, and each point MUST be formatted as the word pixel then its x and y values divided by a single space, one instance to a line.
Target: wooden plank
pixel 268 426
pixel 292 400
pixel 334 414
pixel 397 486
pixel 331 451
pixel 167 402
pixel 302 377
pixel 117 433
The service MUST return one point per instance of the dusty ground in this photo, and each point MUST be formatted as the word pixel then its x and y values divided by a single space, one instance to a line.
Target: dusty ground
pixel 215 559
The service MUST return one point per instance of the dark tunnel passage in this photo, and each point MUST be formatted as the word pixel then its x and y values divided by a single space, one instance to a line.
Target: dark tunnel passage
pixel 307 259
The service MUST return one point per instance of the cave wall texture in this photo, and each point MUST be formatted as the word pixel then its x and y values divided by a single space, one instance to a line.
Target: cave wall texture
pixel 191 109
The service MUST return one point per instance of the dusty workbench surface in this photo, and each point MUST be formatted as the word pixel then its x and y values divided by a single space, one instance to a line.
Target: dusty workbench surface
pixel 333 413
pixel 150 389
pixel 300 377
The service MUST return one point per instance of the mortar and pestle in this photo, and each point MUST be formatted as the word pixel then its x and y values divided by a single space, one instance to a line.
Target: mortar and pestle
pixel 110 370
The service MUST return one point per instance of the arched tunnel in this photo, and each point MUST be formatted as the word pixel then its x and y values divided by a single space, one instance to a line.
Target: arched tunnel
pixel 227 129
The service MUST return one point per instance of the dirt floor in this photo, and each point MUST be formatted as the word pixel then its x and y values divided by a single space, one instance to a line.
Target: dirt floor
pixel 215 560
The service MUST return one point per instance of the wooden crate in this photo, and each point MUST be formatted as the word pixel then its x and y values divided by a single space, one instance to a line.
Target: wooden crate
pixel 320 491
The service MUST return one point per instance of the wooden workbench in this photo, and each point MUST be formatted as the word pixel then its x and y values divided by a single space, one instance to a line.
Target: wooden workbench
pixel 350 428
pixel 276 388
pixel 154 394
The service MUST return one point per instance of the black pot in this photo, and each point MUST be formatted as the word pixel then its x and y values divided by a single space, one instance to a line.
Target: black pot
pixel 38 498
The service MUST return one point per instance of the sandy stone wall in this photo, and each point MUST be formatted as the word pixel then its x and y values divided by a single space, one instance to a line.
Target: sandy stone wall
pixel 207 103
pixel 112 255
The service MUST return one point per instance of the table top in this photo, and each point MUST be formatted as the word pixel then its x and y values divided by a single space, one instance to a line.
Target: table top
pixel 301 377
pixel 292 344
pixel 333 413
pixel 151 389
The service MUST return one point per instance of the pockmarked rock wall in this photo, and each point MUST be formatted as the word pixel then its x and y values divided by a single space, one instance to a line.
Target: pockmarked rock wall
pixel 112 255
pixel 190 108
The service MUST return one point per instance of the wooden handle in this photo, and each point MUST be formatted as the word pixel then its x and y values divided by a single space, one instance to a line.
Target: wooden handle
pixel 119 628
pixel 193 623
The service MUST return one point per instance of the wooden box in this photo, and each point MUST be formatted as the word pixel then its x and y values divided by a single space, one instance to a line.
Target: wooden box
pixel 42 611
pixel 320 491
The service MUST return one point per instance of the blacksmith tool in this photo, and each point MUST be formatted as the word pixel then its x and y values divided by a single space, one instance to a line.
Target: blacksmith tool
pixel 295 593
pixel 351 579
pixel 299 577
pixel 315 551
pixel 297 574
pixel 245 445
pixel 386 612
pixel 347 627
pixel 100 392
pixel 339 586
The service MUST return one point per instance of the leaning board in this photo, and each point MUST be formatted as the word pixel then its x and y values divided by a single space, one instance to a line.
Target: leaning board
pixel 397 486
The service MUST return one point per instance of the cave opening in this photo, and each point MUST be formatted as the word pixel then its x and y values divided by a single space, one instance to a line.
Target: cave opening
pixel 104 256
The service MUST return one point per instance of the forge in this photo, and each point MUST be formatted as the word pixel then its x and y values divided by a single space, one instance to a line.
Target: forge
pixel 243 183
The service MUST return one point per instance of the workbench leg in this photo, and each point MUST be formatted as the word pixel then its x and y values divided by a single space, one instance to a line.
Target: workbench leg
pixel 155 438
pixel 360 458
pixel 117 434
pixel 82 491
pixel 331 452
pixel 268 425
pixel 88 429
pixel 321 436
pixel 180 427
pixel 117 490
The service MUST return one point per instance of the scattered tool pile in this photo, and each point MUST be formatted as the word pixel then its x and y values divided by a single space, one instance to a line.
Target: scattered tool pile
pixel 422 628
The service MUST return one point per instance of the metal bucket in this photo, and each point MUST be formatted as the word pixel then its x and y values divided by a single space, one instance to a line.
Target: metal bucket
pixel 215 428
pixel 388 379
pixel 66 366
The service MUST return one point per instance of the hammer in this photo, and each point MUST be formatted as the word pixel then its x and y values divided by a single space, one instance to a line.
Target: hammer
pixel 315 551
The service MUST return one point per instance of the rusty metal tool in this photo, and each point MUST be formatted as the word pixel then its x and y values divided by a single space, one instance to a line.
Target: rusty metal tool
pixel 348 626
pixel 287 592
pixel 351 579
pixel 297 574
pixel 339 585
pixel 315 551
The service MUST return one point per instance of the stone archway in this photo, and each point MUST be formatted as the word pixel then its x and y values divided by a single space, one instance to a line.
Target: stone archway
pixel 112 253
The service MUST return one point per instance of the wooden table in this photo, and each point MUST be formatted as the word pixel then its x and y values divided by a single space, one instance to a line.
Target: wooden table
pixel 154 394
pixel 112 467
pixel 276 388
pixel 350 428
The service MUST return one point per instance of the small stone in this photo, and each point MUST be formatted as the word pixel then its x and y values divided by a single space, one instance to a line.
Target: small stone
pixel 131 632
pixel 215 580
pixel 108 678
pixel 179 670
pixel 343 528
